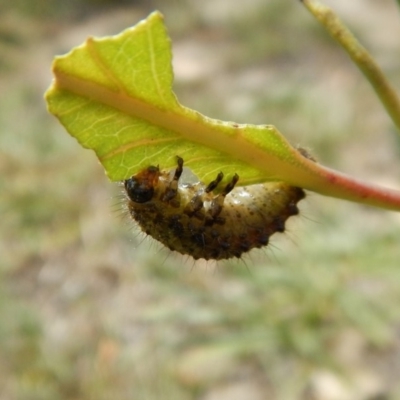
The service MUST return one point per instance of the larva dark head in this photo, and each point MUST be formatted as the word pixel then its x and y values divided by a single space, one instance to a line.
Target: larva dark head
pixel 140 188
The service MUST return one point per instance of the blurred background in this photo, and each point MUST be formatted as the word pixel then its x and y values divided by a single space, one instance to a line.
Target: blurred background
pixel 90 309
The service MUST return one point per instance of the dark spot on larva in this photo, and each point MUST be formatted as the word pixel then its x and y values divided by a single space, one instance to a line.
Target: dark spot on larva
pixel 279 224
pixel 200 215
pixel 159 219
pixel 177 228
pixel 245 246
pixel 215 254
pixel 237 253
pixel 292 209
pixel 214 234
pixel 224 244
pixel 220 220
pixel 300 193
pixel 198 238
pixel 263 240
pixel 208 221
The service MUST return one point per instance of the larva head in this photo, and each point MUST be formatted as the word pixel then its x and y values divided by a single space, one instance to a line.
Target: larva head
pixel 140 188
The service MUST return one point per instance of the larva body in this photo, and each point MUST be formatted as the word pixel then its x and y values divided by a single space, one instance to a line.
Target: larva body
pixel 192 220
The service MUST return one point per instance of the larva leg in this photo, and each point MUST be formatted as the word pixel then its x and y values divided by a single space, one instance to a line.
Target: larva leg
pixel 172 189
pixel 218 202
pixel 230 185
pixel 196 203
pixel 213 184
pixel 179 168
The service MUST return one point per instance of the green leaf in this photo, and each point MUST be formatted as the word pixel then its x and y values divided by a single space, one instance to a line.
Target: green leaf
pixel 114 95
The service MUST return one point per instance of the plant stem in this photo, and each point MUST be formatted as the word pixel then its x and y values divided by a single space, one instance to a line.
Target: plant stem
pixel 359 55
pixel 345 187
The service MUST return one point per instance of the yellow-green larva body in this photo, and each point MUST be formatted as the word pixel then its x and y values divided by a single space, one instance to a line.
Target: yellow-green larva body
pixel 191 219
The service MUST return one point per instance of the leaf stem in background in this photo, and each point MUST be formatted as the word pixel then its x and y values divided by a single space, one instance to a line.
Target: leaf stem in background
pixel 359 55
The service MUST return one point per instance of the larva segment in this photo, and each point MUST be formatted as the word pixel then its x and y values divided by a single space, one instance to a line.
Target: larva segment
pixel 192 220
